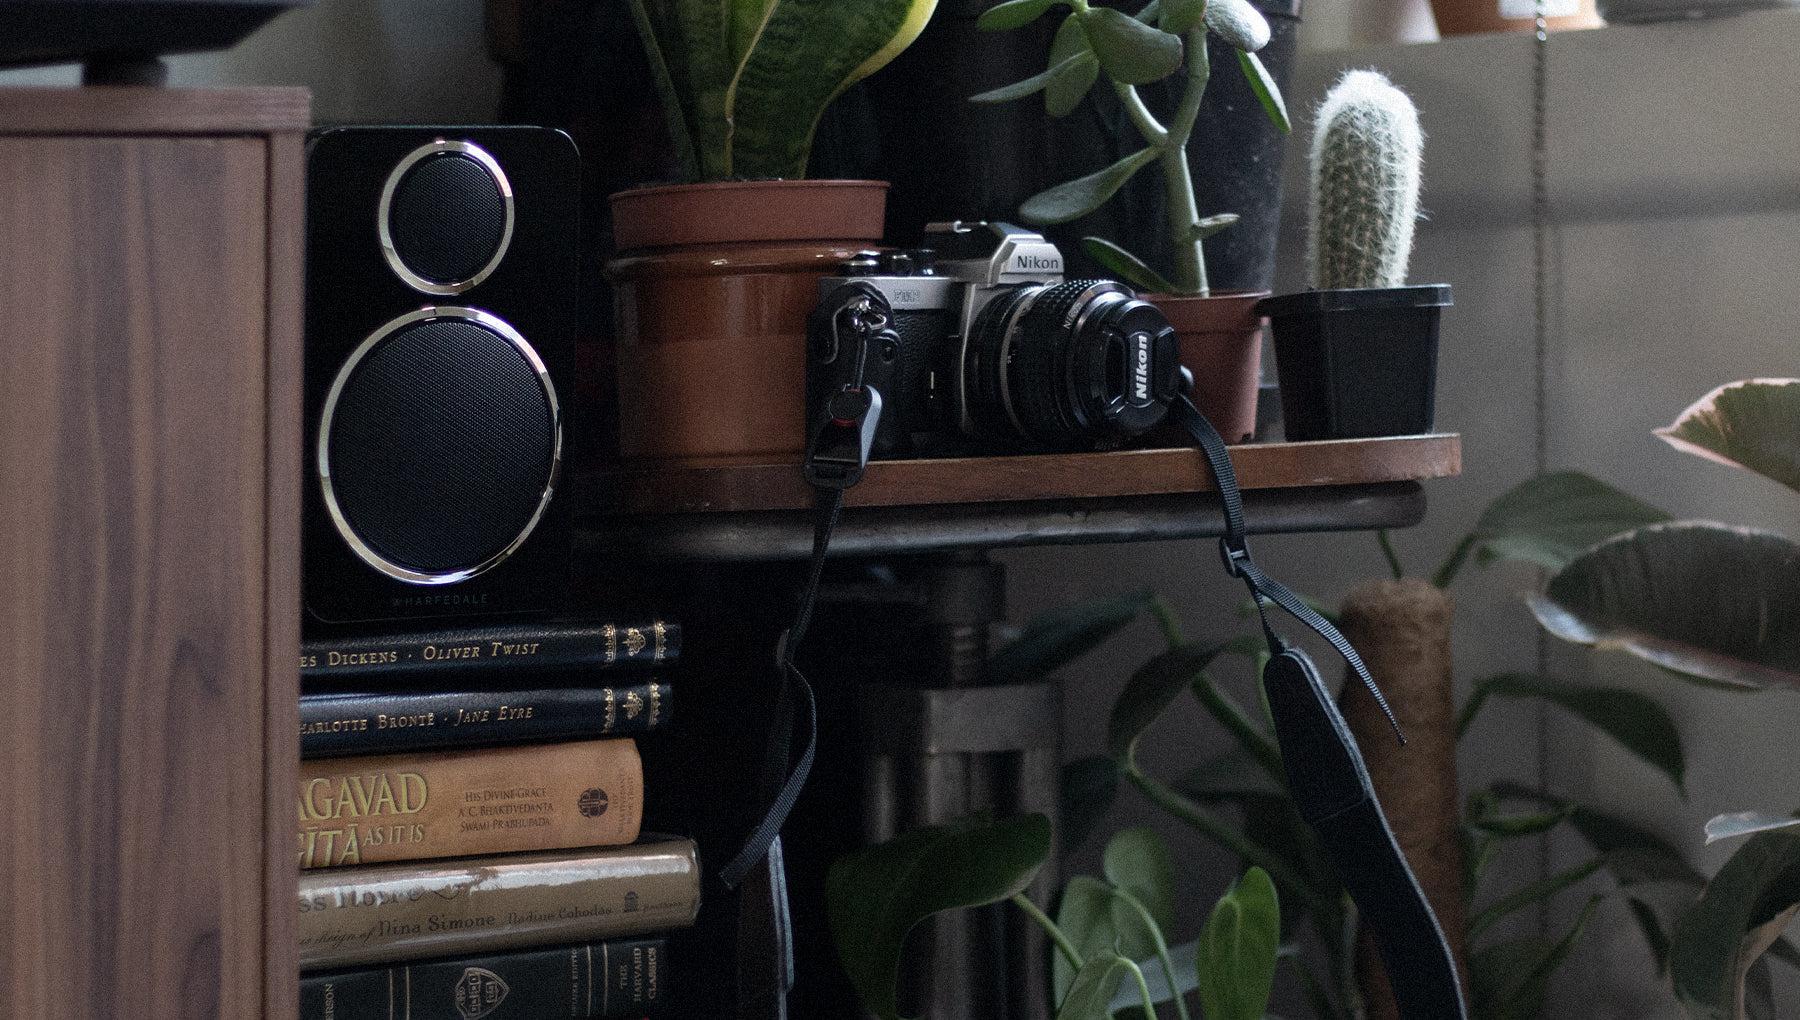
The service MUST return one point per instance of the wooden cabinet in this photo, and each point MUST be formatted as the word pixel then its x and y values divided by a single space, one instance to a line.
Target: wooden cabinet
pixel 150 274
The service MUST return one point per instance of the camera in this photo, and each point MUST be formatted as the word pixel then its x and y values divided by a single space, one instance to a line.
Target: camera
pixel 975 343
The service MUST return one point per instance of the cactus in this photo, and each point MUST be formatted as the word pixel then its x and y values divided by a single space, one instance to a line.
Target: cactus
pixel 1365 184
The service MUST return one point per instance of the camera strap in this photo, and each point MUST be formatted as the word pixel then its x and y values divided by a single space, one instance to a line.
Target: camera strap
pixel 1326 774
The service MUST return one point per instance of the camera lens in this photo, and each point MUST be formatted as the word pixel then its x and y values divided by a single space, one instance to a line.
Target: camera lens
pixel 1072 365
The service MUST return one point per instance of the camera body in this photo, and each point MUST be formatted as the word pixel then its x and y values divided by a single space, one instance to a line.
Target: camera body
pixel 982 346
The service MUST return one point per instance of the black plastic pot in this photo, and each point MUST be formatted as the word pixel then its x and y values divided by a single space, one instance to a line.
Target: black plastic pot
pixel 1357 363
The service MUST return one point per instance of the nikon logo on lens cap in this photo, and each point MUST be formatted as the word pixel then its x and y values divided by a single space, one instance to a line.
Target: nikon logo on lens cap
pixel 1140 368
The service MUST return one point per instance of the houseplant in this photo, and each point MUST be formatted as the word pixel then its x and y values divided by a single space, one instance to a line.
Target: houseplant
pixel 1220 335
pixel 1357 354
pixel 715 276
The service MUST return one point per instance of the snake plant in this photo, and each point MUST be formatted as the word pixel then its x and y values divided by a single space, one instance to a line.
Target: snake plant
pixel 744 82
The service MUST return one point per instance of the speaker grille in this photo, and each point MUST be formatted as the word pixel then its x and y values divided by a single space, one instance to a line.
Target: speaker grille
pixel 442 445
pixel 447 218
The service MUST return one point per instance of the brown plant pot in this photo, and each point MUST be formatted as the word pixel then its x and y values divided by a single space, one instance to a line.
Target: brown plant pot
pixel 713 283
pixel 1221 344
pixel 1474 17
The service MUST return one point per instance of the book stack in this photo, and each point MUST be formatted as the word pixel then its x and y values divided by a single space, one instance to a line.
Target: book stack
pixel 470 803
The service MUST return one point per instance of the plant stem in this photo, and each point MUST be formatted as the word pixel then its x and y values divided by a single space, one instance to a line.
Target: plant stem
pixel 1223 834
pixel 1063 944
pixel 1147 124
pixel 1230 715
pixel 1178 179
pixel 1393 555
pixel 1162 945
pixel 1165 618
pixel 1144 990
pixel 1453 563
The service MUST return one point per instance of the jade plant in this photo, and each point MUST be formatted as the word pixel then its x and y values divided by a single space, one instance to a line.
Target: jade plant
pixel 1131 51
pixel 744 82
pixel 1363 198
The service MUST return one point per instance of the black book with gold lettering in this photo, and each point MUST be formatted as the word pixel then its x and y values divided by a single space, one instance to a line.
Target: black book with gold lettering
pixel 491 651
pixel 616 978
pixel 337 723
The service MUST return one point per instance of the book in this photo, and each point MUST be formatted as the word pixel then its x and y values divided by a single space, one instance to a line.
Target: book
pixel 449 804
pixel 392 721
pixel 498 649
pixel 592 980
pixel 392 913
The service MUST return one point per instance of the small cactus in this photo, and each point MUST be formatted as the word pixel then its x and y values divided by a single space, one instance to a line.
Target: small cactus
pixel 1364 198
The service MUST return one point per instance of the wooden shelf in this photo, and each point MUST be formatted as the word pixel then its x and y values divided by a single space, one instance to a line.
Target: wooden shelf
pixel 761 511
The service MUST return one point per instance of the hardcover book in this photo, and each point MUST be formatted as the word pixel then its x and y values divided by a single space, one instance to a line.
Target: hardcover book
pixel 450 804
pixel 590 980
pixel 388 722
pixel 496 650
pixel 398 912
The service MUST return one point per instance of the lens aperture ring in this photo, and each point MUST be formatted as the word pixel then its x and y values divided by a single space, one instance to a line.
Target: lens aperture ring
pixel 1042 405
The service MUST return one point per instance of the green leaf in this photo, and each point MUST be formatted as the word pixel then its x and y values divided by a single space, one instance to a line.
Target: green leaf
pixel 1210 225
pixel 1754 424
pixel 1509 979
pixel 1633 854
pixel 875 896
pixel 1092 988
pixel 1655 935
pixel 1129 50
pixel 1089 787
pixel 1714 604
pixel 1150 690
pixel 1090 916
pixel 1746 823
pixel 1179 17
pixel 1238 23
pixel 1013 14
pixel 1075 199
pixel 1531 893
pixel 1743 910
pixel 1637 722
pixel 689 49
pixel 1267 92
pixel 1549 520
pixel 806 53
pixel 1138 861
pixel 1030 86
pixel 1238 950
pixel 1054 639
pixel 1067 89
pixel 1126 266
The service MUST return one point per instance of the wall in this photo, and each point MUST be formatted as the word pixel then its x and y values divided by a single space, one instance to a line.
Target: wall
pixel 1675 182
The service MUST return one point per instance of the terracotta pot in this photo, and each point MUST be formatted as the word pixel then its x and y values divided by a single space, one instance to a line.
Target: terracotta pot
pixel 713 283
pixel 1221 344
pixel 1473 17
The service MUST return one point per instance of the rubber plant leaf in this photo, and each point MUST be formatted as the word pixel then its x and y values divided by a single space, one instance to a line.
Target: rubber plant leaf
pixel 1638 723
pixel 806 54
pixel 1087 916
pixel 1754 424
pixel 1125 266
pixel 1715 604
pixel 1267 93
pixel 1054 639
pixel 1092 988
pixel 1238 23
pixel 1013 14
pixel 1239 948
pixel 876 895
pixel 1739 824
pixel 1032 85
pixel 1549 520
pixel 1742 912
pixel 1150 691
pixel 1074 199
pixel 1130 51
pixel 1509 979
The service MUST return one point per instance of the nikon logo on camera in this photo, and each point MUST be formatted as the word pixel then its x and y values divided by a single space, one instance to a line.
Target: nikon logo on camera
pixel 1140 369
pixel 1033 263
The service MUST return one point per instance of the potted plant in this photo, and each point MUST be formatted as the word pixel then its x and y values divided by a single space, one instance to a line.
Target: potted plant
pixel 1220 335
pixel 1357 354
pixel 715 276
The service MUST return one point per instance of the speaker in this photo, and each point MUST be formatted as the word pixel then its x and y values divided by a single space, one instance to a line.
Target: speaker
pixel 441 304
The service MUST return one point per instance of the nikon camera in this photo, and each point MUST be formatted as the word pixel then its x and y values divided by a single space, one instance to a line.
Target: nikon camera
pixel 978 345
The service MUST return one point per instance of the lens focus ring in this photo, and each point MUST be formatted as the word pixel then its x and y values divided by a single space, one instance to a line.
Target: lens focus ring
pixel 1039 367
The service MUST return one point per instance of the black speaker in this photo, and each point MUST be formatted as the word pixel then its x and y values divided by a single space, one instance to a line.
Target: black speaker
pixel 441 304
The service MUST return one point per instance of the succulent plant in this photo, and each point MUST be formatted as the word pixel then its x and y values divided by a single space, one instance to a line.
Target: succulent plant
pixel 1133 50
pixel 1364 198
pixel 744 82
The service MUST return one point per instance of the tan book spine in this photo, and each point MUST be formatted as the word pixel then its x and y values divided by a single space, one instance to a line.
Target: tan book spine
pixel 407 807
pixel 399 912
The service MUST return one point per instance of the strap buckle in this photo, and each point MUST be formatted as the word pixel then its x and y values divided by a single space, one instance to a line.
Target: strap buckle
pixel 1235 554
pixel 838 452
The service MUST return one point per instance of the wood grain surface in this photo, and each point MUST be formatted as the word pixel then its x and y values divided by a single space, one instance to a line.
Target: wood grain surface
pixel 148 446
pixel 779 486
pixel 133 110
